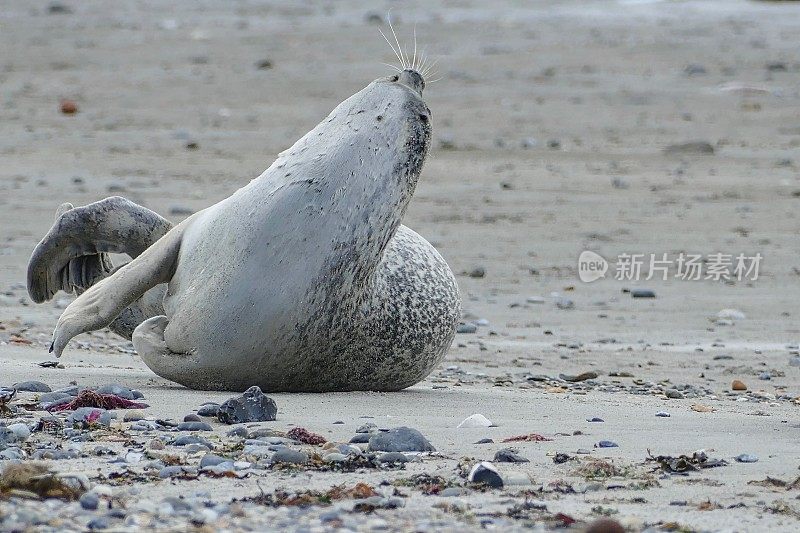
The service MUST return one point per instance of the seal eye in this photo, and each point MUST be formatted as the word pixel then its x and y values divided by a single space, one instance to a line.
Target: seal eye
pixel 423 118
pixel 379 118
pixel 394 78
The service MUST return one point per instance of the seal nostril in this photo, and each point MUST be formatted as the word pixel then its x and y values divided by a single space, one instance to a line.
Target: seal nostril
pixel 423 118
pixel 379 118
pixel 394 78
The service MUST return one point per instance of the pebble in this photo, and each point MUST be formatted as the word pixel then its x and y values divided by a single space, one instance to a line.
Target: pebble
pixel 564 303
pixel 485 472
pixel 605 525
pixel 335 457
pixel 393 457
pixel 133 415
pixel 287 455
pixel 252 406
pixel 746 458
pixel 186 440
pixel 194 426
pixel 607 444
pixel 192 418
pixel 642 293
pixel 210 459
pixel 738 385
pixel 595 419
pixel 119 390
pixel 467 327
pixel 794 360
pixel 208 410
pixel 766 376
pixel 673 393
pixel 89 501
pixel 663 414
pixel 475 421
pixel 402 439
pixel 690 148
pixel 485 441
pixel 20 431
pixel 31 386
pixel 507 455
pixel 578 378
pixel 731 314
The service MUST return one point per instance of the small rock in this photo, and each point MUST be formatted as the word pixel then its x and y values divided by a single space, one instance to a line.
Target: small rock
pixel 208 410
pixel 580 377
pixel 475 421
pixel 731 314
pixel 477 272
pixel 485 441
pixel 335 457
pixel 69 107
pixel 89 416
pixel 31 386
pixel 746 458
pixel 194 426
pixel 507 455
pixel 607 444
pixel 402 439
pixel 595 419
pixel 794 360
pixel 287 455
pixel 485 472
pixel 156 444
pixel 252 406
pixel 642 293
pixel 467 327
pixel 675 394
pixel 20 431
pixel 690 148
pixel 392 457
pixel 738 385
pixel 89 501
pixel 264 64
pixel 133 415
pixel 662 414
pixel 192 418
pixel 118 390
pixel 210 459
pixel 766 376
pixel 187 440
pixel 564 303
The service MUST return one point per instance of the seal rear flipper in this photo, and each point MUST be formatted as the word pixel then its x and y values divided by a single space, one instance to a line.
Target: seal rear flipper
pixel 104 301
pixel 73 256
pixel 148 339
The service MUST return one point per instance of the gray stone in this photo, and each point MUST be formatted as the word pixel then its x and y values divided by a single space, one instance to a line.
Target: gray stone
pixel 186 440
pixel 210 459
pixel 507 455
pixel 287 455
pixel 252 406
pixel 208 410
pixel 89 501
pixel 31 386
pixel 194 426
pixel 673 393
pixel 402 439
pixel 117 390
pixel 486 473
pixel 393 457
pixel 86 415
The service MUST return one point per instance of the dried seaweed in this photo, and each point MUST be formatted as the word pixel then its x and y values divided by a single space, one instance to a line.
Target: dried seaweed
pixel 90 398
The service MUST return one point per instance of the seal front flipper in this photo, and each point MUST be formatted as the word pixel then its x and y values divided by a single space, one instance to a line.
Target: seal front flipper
pixel 105 300
pixel 73 256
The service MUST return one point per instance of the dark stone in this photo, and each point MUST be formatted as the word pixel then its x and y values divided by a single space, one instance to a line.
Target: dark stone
pixel 194 426
pixel 252 406
pixel 186 440
pixel 31 386
pixel 485 441
pixel 208 409
pixel 192 418
pixel 486 473
pixel 642 293
pixel 393 457
pixel 402 439
pixel 690 148
pixel 360 438
pixel 467 327
pixel 507 455
pixel 607 444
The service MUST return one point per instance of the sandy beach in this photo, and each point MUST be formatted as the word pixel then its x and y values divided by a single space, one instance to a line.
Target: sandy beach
pixel 618 127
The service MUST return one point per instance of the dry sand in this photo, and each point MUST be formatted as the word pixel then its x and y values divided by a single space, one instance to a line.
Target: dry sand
pixel 539 110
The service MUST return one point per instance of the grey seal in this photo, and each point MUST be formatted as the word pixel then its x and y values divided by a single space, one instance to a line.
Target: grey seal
pixel 303 280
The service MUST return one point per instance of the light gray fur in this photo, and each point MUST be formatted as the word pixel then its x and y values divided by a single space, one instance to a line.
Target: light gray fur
pixel 304 279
